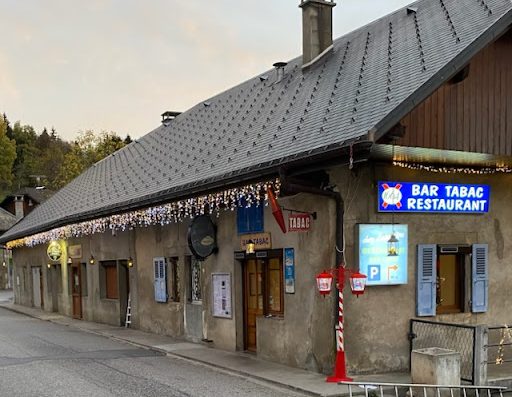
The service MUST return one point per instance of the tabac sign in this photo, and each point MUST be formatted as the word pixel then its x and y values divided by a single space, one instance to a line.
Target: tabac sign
pixel 433 197
pixel 299 222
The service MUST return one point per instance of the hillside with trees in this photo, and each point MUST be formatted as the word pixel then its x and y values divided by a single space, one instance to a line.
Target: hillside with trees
pixel 30 159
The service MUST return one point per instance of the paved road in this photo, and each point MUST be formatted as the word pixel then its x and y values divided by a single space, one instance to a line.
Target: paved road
pixel 39 358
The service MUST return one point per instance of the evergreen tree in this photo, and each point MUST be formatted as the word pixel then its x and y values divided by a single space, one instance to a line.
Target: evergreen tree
pixel 7 158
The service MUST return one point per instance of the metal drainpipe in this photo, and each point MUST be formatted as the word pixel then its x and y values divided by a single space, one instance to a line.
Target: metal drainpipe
pixel 340 212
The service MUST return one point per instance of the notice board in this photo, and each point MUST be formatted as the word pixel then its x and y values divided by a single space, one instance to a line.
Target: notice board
pixel 222 295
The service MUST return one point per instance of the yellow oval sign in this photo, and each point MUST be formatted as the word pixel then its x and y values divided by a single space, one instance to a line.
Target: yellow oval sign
pixel 54 251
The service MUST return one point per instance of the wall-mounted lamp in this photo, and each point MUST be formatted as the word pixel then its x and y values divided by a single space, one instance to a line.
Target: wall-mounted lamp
pixel 91 260
pixel 3 264
pixel 48 265
pixel 250 247
pixel 70 261
pixel 130 262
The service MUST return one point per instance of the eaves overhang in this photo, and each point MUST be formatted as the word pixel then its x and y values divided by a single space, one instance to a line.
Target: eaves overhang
pixel 329 154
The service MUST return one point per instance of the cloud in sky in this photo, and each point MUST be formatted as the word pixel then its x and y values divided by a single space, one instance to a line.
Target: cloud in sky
pixel 115 65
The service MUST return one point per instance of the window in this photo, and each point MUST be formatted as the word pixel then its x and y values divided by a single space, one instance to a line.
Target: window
pixel 263 286
pixel 108 280
pixel 452 279
pixel 195 282
pixel 174 280
pixel 250 219
pixel 274 277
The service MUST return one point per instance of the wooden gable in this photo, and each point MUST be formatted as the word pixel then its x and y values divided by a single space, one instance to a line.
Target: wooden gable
pixel 472 115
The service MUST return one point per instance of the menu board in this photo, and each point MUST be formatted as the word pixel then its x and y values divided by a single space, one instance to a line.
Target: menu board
pixel 221 295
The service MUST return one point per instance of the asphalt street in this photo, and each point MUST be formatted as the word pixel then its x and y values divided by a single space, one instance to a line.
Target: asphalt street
pixel 40 358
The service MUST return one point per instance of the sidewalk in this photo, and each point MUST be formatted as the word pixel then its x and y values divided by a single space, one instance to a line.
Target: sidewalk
pixel 239 363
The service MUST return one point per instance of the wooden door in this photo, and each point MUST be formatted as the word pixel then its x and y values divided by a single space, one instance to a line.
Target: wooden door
pixel 76 290
pixel 253 300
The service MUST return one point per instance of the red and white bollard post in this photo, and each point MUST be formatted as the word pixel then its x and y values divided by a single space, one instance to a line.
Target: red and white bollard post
pixel 340 373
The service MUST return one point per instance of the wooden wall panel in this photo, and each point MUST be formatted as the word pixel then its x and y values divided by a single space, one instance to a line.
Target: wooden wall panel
pixel 474 115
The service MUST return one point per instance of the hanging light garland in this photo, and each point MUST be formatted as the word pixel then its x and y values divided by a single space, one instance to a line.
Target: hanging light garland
pixel 454 170
pixel 174 212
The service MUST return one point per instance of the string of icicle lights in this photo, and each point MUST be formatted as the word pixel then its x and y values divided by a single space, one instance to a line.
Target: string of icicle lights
pixel 244 196
pixel 454 170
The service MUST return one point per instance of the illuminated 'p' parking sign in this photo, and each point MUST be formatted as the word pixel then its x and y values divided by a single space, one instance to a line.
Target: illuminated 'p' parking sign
pixel 433 197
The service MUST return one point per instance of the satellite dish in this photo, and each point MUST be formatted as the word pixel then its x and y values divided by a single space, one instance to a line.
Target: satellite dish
pixel 202 237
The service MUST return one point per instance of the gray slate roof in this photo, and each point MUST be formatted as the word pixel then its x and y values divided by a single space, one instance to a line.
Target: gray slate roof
pixel 372 78
pixel 7 220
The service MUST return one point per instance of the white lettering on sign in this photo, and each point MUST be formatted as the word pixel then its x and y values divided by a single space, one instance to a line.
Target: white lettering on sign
pixel 299 222
pixel 424 190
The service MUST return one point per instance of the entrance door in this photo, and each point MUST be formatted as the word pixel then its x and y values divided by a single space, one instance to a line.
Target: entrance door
pixel 76 290
pixel 263 291
pixel 36 286
pixel 253 298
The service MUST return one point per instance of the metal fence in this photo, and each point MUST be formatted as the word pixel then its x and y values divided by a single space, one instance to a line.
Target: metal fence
pixel 458 337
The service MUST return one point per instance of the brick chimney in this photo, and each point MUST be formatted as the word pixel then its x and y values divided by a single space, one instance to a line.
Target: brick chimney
pixel 316 28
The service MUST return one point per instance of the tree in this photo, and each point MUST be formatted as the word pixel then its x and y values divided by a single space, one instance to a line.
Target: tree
pixel 53 150
pixel 7 158
pixel 27 154
pixel 86 151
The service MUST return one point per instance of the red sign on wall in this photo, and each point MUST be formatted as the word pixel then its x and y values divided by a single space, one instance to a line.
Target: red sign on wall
pixel 299 222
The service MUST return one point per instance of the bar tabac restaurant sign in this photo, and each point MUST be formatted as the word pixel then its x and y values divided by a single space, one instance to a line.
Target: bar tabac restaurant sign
pixel 433 197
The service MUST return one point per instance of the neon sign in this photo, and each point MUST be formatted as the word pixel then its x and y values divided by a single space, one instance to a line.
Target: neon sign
pixel 433 197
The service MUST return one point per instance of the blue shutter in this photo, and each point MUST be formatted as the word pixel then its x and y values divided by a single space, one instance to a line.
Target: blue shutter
pixel 160 279
pixel 250 219
pixel 426 279
pixel 480 278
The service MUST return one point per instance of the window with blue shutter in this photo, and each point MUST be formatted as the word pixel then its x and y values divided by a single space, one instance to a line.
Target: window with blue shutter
pixel 250 219
pixel 480 278
pixel 160 272
pixel 426 280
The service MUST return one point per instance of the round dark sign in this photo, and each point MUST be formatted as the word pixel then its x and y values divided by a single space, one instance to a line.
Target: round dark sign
pixel 202 237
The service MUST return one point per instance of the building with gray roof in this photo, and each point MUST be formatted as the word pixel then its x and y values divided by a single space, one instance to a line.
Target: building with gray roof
pixel 418 98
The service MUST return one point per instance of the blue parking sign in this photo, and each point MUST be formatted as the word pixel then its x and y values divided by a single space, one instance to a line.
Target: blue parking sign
pixel 373 272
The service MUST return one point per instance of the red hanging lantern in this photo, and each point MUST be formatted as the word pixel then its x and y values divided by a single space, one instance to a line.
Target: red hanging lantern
pixel 276 209
pixel 357 283
pixel 324 283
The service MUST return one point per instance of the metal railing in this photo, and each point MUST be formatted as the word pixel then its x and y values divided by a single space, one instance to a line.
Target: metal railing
pixel 421 390
pixel 461 338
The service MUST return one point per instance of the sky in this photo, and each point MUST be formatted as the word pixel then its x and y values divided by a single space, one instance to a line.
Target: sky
pixel 116 65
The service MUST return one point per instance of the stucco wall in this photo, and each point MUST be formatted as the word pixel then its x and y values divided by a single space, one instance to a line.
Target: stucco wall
pixel 377 323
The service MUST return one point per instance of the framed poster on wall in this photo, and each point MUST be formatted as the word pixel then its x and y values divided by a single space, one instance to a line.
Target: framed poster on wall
pixel 289 270
pixel 383 253
pixel 221 283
